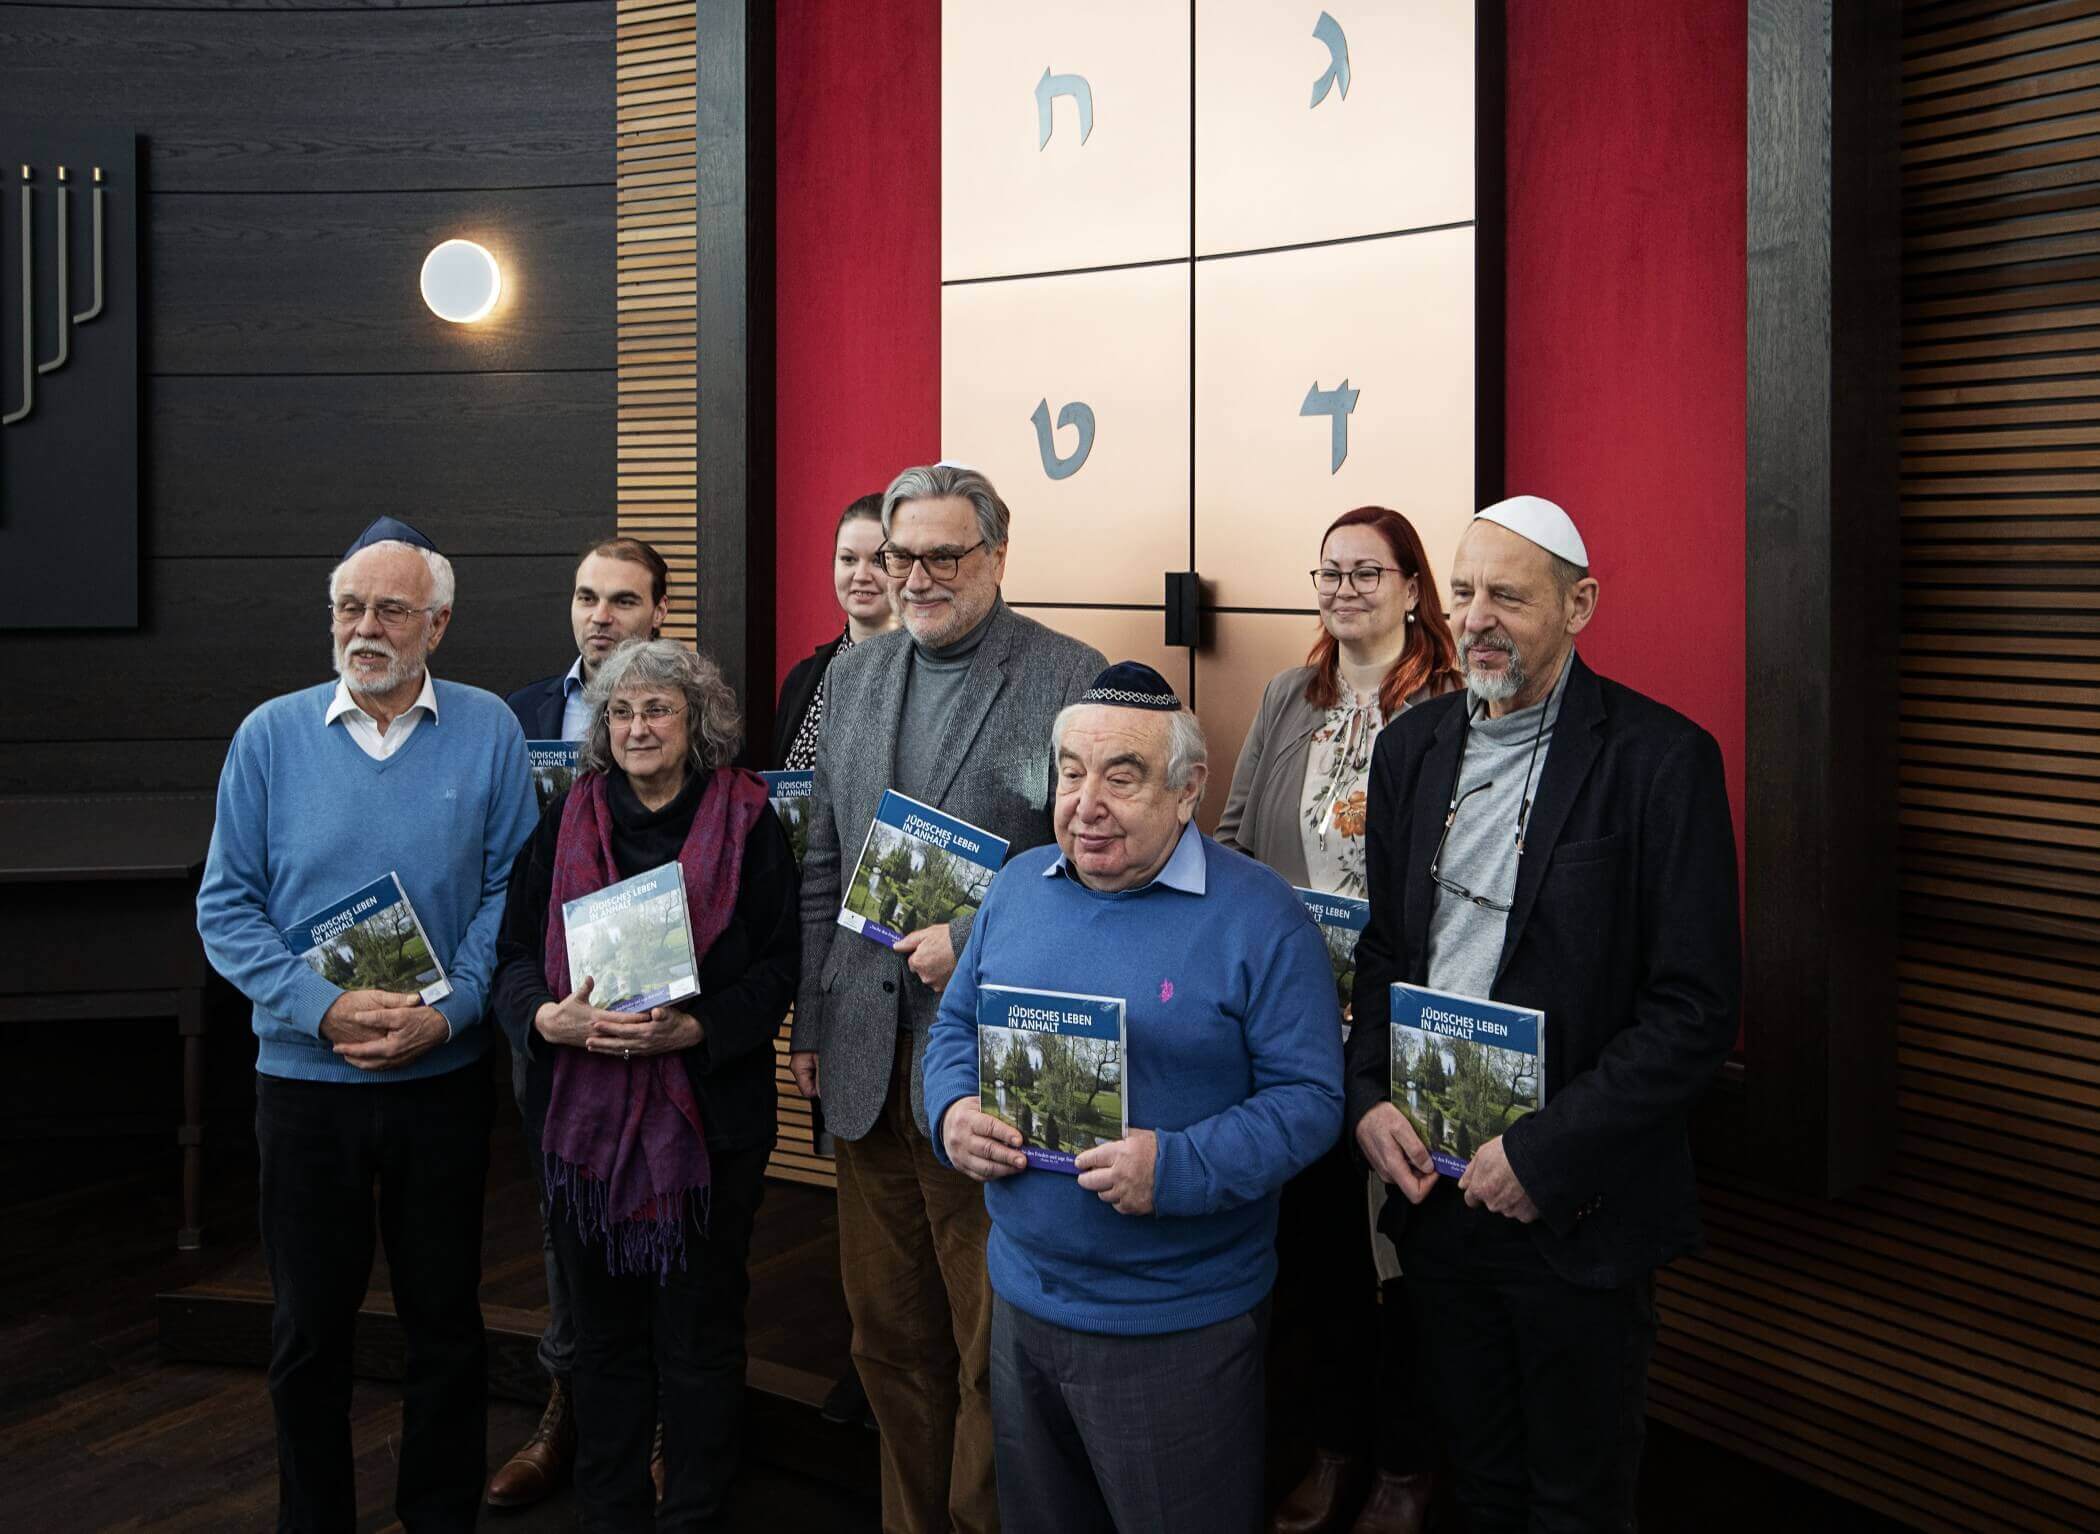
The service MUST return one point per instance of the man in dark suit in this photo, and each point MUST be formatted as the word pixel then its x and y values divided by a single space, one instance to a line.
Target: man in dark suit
pixel 954 710
pixel 1549 839
pixel 621 593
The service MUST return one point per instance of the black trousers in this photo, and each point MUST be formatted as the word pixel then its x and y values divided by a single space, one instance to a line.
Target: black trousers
pixel 326 1146
pixel 1537 1388
pixel 1340 1363
pixel 676 1347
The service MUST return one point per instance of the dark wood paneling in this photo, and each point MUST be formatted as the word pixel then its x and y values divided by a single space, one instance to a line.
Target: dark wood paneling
pixel 463 96
pixel 1926 1346
pixel 109 766
pixel 486 463
pixel 224 635
pixel 322 283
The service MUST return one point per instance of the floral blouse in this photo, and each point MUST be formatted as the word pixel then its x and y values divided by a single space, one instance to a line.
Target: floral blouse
pixel 1331 810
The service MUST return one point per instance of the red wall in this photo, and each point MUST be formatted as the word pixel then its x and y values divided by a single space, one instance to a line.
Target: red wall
pixel 1625 292
pixel 1626 311
pixel 859 272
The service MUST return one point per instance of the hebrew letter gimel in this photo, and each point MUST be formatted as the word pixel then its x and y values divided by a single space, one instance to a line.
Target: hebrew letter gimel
pixel 1048 89
pixel 1335 404
pixel 1329 31
pixel 1077 415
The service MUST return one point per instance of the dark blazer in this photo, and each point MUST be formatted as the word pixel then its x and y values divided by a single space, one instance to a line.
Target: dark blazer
pixel 795 696
pixel 1624 931
pixel 539 706
pixel 746 979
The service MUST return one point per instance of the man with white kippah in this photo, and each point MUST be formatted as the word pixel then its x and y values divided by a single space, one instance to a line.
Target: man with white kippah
pixel 1553 840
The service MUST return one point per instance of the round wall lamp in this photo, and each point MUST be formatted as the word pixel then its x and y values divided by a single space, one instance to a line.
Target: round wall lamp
pixel 461 281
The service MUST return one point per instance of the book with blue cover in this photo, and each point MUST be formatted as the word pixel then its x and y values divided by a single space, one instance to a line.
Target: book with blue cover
pixel 1341 920
pixel 634 941
pixel 917 868
pixel 1463 1069
pixel 789 793
pixel 371 940
pixel 554 766
pixel 1050 1063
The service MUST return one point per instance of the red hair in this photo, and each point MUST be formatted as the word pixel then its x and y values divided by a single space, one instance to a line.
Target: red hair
pixel 1428 656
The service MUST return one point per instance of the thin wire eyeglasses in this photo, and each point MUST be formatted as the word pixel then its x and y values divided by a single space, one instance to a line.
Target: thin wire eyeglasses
pixel 350 612
pixel 941 565
pixel 1452 886
pixel 655 713
pixel 1362 579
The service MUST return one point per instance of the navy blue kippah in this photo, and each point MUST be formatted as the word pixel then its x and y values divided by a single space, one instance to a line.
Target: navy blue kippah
pixel 389 530
pixel 1132 684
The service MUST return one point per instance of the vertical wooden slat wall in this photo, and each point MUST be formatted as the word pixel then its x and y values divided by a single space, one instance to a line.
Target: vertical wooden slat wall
pixel 1932 1347
pixel 655 274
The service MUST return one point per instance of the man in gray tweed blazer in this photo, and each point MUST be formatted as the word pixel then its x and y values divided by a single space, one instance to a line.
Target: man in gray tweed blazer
pixel 955 711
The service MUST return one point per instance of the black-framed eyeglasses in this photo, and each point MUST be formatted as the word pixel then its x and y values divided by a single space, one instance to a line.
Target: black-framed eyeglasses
pixel 1436 859
pixel 942 564
pixel 350 612
pixel 1363 578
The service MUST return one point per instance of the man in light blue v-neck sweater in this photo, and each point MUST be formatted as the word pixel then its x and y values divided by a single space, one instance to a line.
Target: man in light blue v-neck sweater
pixel 384 772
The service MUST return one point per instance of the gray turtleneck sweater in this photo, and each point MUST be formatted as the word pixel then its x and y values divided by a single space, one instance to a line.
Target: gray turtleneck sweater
pixel 931 691
pixel 1465 941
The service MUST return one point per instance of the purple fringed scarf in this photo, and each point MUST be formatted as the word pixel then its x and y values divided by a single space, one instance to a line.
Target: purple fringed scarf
pixel 623 1141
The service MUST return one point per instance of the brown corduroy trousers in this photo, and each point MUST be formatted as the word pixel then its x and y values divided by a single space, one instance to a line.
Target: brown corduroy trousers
pixel 911 1249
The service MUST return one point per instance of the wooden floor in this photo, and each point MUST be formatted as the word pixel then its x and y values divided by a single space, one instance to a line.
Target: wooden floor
pixel 101 1430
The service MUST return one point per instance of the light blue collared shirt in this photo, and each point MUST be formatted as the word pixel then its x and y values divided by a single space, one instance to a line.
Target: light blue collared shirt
pixel 1185 868
pixel 575 713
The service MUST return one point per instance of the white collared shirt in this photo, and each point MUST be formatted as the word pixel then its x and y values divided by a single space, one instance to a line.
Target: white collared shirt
pixel 364 729
pixel 575 712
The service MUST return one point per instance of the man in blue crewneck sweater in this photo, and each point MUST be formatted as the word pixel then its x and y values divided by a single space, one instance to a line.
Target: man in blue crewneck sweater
pixel 1130 1301
pixel 323 791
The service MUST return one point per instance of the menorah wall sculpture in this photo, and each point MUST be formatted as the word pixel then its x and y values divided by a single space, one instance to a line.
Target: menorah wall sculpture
pixel 31 367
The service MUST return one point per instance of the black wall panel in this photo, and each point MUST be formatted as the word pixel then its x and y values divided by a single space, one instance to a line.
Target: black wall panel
pixel 299 161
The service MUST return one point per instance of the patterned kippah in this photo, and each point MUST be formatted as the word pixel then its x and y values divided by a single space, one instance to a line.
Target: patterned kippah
pixel 1132 684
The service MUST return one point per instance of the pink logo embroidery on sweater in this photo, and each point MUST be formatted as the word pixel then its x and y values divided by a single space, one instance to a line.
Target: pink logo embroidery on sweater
pixel 1166 990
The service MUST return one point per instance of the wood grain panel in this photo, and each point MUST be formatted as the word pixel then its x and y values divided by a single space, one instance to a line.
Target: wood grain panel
pixel 1926 1347
pixel 657 287
pixel 321 283
pixel 486 463
pixel 223 635
pixel 333 99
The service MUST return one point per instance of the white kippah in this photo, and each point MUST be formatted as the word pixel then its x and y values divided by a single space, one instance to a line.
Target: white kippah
pixel 1545 524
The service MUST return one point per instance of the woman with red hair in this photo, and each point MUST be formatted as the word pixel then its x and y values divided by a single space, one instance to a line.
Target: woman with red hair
pixel 1298 805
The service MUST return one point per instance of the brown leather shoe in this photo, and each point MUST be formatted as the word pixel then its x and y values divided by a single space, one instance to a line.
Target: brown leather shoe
pixel 656 1464
pixel 1398 1504
pixel 1323 1499
pixel 541 1464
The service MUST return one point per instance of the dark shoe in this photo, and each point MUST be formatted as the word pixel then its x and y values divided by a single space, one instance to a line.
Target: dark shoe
pixel 656 1464
pixel 1323 1500
pixel 847 1402
pixel 1398 1504
pixel 541 1464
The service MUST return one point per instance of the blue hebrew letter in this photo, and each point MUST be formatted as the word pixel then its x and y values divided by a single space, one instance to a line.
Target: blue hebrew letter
pixel 1329 31
pixel 1048 89
pixel 1336 405
pixel 1077 415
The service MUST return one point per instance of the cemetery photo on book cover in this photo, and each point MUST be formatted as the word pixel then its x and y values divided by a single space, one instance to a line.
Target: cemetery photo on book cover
pixel 550 778
pixel 904 883
pixel 1460 1094
pixel 1341 957
pixel 794 819
pixel 636 950
pixel 383 952
pixel 1063 1093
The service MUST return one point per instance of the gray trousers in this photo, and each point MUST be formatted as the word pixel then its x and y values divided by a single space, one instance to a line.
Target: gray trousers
pixel 1127 1435
pixel 558 1341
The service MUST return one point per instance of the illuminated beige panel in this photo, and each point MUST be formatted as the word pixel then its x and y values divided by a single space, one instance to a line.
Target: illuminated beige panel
pixel 1116 343
pixel 1395 153
pixel 1121 634
pixel 1013 203
pixel 1391 318
pixel 1245 651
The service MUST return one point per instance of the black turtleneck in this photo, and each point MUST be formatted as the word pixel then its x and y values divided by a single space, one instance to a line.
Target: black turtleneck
pixel 747 979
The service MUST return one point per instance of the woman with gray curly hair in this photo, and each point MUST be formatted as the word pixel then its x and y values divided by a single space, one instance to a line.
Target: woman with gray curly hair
pixel 655 1125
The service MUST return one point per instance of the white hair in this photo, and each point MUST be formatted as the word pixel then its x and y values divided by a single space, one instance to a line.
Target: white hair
pixel 1187 748
pixel 440 568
